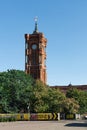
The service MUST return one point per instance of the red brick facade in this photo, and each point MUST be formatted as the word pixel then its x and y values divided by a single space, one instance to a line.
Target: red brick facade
pixel 35 55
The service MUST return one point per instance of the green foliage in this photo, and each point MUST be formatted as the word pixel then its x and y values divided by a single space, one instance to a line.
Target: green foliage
pixel 20 93
pixel 40 96
pixel 46 99
pixel 55 100
pixel 70 105
pixel 15 87
pixel 7 119
pixel 80 97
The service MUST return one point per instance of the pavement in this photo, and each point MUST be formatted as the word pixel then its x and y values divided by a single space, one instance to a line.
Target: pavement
pixel 44 125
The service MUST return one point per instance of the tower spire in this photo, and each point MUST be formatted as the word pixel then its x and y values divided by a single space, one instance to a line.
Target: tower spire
pixel 36 25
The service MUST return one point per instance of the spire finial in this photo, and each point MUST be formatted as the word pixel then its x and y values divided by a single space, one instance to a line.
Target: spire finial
pixel 36 25
pixel 36 19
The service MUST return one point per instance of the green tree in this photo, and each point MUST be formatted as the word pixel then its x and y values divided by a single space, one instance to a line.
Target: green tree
pixel 15 87
pixel 39 98
pixel 70 105
pixel 55 100
pixel 80 97
pixel 46 99
pixel 18 91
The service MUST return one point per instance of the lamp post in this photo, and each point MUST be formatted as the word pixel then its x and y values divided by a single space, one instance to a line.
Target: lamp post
pixel 28 109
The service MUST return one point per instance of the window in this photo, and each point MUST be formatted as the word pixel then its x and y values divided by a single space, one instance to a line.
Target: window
pixel 34 58
pixel 44 49
pixel 26 59
pixel 44 62
pixel 26 46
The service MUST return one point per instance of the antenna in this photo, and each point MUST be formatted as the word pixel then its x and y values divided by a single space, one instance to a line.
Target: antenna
pixel 36 19
pixel 36 25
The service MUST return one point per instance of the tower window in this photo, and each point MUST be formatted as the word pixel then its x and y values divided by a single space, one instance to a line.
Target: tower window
pixel 34 58
pixel 44 62
pixel 26 59
pixel 44 49
pixel 26 45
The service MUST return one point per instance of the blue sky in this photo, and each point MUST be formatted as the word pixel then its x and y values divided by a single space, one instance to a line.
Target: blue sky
pixel 64 24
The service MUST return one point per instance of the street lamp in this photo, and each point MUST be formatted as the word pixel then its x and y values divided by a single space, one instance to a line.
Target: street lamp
pixel 28 109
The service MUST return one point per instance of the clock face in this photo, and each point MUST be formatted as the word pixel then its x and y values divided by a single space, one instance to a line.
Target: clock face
pixel 34 46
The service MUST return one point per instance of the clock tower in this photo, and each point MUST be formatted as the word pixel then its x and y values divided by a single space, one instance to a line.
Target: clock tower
pixel 35 54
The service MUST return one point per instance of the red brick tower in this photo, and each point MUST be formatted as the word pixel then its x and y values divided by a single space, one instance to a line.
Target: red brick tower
pixel 35 54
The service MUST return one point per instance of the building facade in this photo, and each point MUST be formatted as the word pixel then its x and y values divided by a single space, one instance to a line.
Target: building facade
pixel 35 54
pixel 64 89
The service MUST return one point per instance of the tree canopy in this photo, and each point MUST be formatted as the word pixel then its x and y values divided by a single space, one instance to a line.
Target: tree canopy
pixel 19 92
pixel 14 90
pixel 80 97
